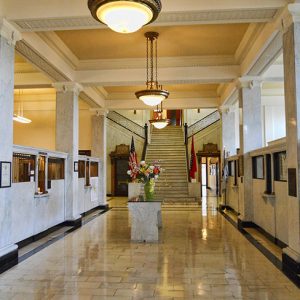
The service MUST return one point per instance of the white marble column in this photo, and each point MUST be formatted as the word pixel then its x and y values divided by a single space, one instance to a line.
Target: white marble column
pixel 251 138
pixel 8 37
pixel 291 50
pixel 67 140
pixel 99 148
pixel 229 131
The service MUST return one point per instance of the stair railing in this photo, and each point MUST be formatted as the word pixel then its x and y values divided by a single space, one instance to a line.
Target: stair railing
pixel 186 142
pixel 145 142
pixel 203 123
pixel 126 123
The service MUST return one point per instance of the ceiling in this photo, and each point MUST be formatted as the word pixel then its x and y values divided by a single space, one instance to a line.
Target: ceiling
pixel 196 40
pixel 203 47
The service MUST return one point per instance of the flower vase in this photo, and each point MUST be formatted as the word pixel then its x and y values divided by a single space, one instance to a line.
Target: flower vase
pixel 149 190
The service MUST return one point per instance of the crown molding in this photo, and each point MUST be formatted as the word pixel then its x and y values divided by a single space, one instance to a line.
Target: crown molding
pixel 163 62
pixel 37 60
pixel 55 43
pixel 173 95
pixel 249 37
pixel 220 16
pixel 9 32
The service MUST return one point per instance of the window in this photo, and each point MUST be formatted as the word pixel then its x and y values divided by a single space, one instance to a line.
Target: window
pixel 23 167
pixel 280 166
pixel 56 168
pixel 235 165
pixel 94 169
pixel 268 174
pixel 231 168
pixel 258 167
pixel 87 173
pixel 81 169
pixel 41 174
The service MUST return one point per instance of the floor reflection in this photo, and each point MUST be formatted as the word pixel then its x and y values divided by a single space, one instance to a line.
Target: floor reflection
pixel 199 256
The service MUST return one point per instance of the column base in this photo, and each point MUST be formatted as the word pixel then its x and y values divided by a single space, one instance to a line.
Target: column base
pixel 291 264
pixel 8 257
pixel 74 223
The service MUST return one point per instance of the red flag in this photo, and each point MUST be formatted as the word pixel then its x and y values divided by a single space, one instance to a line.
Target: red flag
pixel 132 160
pixel 193 162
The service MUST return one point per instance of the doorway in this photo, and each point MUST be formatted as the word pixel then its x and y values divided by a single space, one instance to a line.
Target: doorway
pixel 209 176
pixel 175 117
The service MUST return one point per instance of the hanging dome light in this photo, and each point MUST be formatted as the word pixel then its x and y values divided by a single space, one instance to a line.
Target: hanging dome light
pixel 154 94
pixel 125 16
pixel 159 122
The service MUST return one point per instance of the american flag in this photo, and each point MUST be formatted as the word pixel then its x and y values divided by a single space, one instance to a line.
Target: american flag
pixel 132 160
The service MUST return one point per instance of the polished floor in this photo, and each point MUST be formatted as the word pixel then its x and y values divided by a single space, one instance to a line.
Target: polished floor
pixel 200 256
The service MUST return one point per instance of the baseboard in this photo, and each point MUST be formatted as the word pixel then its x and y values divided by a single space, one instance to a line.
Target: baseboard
pixel 8 260
pixel 270 237
pixel 39 236
pixel 99 207
pixel 291 268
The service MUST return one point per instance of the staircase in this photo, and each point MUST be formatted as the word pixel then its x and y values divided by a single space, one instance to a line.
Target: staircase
pixel 167 146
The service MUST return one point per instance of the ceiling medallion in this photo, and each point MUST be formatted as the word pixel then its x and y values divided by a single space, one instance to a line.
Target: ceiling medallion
pixel 159 122
pixel 154 94
pixel 125 16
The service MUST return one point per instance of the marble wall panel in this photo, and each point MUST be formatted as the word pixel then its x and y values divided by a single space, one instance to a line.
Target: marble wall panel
pixel 282 212
pixel 264 208
pixel 23 210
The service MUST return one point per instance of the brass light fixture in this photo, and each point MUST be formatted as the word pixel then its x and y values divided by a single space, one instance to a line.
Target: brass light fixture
pixel 125 16
pixel 154 94
pixel 159 122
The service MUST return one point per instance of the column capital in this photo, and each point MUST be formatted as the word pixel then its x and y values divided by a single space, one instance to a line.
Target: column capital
pixel 69 86
pixel 290 16
pixel 9 32
pixel 249 82
pixel 99 112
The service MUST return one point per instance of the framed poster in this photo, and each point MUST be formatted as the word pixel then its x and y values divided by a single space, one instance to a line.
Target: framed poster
pixel 75 166
pixel 5 174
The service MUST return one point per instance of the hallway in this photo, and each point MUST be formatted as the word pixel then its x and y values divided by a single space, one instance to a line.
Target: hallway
pixel 200 256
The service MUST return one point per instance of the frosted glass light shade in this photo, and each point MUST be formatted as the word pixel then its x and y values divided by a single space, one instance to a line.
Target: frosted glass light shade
pixel 160 125
pixel 152 97
pixel 152 100
pixel 21 119
pixel 124 16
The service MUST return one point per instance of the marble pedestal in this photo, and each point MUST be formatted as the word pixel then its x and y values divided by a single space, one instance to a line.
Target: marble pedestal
pixel 134 190
pixel 145 220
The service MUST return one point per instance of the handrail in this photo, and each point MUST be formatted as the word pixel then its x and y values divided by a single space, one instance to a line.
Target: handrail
pixel 146 142
pixel 186 142
pixel 203 123
pixel 203 118
pixel 127 124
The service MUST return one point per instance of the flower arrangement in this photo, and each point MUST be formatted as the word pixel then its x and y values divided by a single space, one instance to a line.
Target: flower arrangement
pixel 145 172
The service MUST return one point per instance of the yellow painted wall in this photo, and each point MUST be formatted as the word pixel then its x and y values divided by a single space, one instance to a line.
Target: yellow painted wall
pixel 39 106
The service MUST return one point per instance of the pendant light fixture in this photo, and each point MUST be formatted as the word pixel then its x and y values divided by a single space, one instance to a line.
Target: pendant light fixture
pixel 159 122
pixel 19 117
pixel 125 16
pixel 154 94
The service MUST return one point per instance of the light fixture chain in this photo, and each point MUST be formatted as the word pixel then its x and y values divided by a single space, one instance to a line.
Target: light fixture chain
pixel 147 63
pixel 156 78
pixel 152 65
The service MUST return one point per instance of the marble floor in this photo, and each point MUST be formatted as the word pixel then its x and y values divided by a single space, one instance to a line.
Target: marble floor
pixel 200 256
